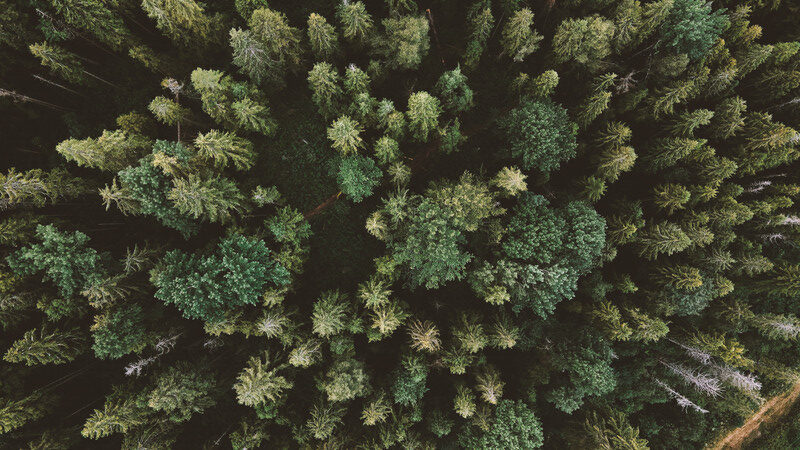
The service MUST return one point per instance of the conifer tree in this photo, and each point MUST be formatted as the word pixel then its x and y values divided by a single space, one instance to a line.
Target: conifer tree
pixel 519 37
pixel 213 199
pixel 356 21
pixel 259 383
pixel 46 347
pixel 322 37
pixel 112 151
pixel 63 63
pixel 344 134
pixel 181 391
pixel 423 115
pixel 585 41
pixel 221 147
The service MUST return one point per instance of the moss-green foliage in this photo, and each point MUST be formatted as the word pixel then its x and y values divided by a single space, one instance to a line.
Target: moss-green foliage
pixel 514 425
pixel 204 287
pixel 692 27
pixel 181 391
pixel 550 247
pixel 118 332
pixel 358 176
pixel 148 187
pixel 64 258
pixel 540 135
pixel 396 224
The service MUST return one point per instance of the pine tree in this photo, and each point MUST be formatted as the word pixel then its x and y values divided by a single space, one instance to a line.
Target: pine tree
pixel 345 135
pixel 375 412
pixel 357 177
pixel 452 88
pixel 38 188
pixel 692 27
pixel 464 402
pixel 213 199
pixel 259 383
pixel 540 134
pixel 117 416
pixel 330 314
pixel 519 38
pixel 424 336
pixel 221 147
pixel 181 391
pixel 660 238
pixel 112 151
pixel 356 21
pixel 253 58
pixel 511 181
pixel 272 30
pixel 423 115
pixel 671 197
pixel 322 37
pixel 16 413
pixel 326 91
pixel 184 21
pixel 404 43
pixel 46 347
pixel 686 124
pixel 64 257
pixel 481 23
pixel 168 111
pixel 96 18
pixel 63 63
pixel 585 41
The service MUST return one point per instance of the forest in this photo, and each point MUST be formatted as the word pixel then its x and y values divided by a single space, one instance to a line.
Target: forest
pixel 397 224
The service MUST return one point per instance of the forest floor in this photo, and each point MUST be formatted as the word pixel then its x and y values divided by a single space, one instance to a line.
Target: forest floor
pixel 770 412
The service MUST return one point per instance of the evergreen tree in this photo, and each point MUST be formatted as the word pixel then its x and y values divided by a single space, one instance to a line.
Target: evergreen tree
pixel 692 27
pixel 322 37
pixel 213 199
pixel 519 37
pixel 204 287
pixel 46 347
pixel 220 147
pixel 540 135
pixel 63 63
pixel 181 391
pixel 423 115
pixel 64 257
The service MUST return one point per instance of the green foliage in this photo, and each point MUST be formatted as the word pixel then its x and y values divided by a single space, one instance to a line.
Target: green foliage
pixel 322 37
pixel 453 90
pixel 519 37
pixel 358 176
pixel 513 425
pixel 344 134
pixel 258 384
pixel 64 257
pixel 345 380
pixel 61 62
pixel 148 187
pixel 181 391
pixel 404 43
pixel 423 115
pixel 213 199
pixel 585 41
pixel 222 147
pixel 112 151
pixel 46 347
pixel 118 332
pixel 540 135
pixel 692 27
pixel 204 287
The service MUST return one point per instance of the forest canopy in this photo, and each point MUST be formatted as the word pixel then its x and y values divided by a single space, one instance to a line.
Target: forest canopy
pixel 397 224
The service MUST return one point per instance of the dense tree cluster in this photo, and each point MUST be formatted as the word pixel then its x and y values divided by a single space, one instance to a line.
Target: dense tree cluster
pixel 411 224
